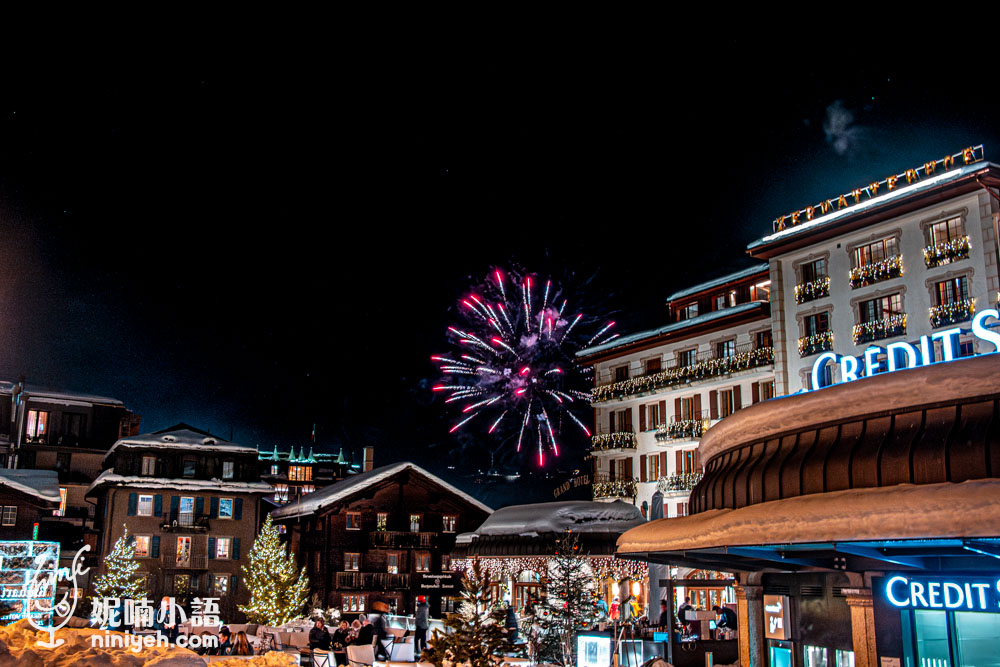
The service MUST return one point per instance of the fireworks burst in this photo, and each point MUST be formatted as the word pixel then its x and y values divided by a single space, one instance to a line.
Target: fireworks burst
pixel 513 370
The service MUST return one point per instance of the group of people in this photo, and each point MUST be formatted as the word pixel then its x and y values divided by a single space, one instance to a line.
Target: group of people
pixel 230 644
pixel 363 632
pixel 725 617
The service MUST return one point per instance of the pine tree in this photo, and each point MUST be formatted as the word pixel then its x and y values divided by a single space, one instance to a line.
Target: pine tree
pixel 477 634
pixel 278 588
pixel 120 579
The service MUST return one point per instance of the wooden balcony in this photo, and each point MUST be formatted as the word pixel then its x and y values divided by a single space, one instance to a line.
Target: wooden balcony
pixel 403 540
pixel 364 581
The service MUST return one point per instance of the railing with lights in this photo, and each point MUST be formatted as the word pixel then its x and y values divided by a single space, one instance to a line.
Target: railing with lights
pixel 815 343
pixel 402 539
pixel 812 289
pixel 373 580
pixel 888 327
pixel 883 269
pixel 616 440
pixel 952 313
pixel 683 429
pixel 947 252
pixel 605 487
pixel 684 481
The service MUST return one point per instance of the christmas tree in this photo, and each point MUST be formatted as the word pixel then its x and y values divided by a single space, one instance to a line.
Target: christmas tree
pixel 120 580
pixel 477 636
pixel 278 588
pixel 569 606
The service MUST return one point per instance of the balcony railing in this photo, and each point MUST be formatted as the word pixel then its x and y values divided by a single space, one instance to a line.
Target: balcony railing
pixel 185 522
pixel 947 252
pixel 883 269
pixel 894 325
pixel 683 429
pixel 707 366
pixel 682 482
pixel 382 581
pixel 952 313
pixel 815 343
pixel 616 440
pixel 812 289
pixel 402 539
pixel 604 487
pixel 170 561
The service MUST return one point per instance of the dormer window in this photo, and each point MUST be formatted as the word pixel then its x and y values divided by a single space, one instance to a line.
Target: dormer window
pixel 688 311
pixel 228 468
pixel 190 466
pixel 148 466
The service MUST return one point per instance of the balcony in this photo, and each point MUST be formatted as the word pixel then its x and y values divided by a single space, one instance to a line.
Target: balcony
pixel 884 269
pixel 952 313
pixel 683 429
pixel 170 562
pixel 947 252
pixel 816 343
pixel 812 289
pixel 617 440
pixel 403 540
pixel 184 522
pixel 705 366
pixel 866 332
pixel 683 482
pixel 364 581
pixel 605 487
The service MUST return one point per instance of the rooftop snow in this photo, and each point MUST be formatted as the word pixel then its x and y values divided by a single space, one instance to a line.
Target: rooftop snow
pixel 109 478
pixel 334 493
pixel 719 282
pixel 675 326
pixel 872 204
pixel 42 484
pixel 580 516
pixel 182 436
pixel 40 393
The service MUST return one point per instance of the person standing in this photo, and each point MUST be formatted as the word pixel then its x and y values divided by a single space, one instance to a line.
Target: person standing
pixel 380 629
pixel 511 623
pixel 420 636
pixel 366 632
pixel 664 615
pixel 682 614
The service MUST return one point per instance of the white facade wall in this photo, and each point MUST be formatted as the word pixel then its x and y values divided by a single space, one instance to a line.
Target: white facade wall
pixel 916 284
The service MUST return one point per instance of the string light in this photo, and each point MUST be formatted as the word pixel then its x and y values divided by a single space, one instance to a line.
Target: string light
pixel 883 269
pixel 952 313
pixel 812 289
pixel 947 252
pixel 278 588
pixel 894 325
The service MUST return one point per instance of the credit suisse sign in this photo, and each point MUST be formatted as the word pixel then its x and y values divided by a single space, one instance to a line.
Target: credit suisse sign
pixel 950 593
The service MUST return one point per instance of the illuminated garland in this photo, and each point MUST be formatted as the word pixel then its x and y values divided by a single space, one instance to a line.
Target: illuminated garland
pixel 616 440
pixel 683 429
pixel 820 342
pixel 278 588
pixel 952 313
pixel 883 269
pixel 121 579
pixel 702 369
pixel 619 488
pixel 683 482
pixel 814 289
pixel 894 325
pixel 502 569
pixel 947 252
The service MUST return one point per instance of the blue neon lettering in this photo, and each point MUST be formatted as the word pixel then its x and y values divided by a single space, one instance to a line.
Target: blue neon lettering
pixel 948 339
pixel 818 367
pixel 948 602
pixel 981 332
pixel 934 593
pixel 848 369
pixel 917 592
pixel 926 351
pixel 909 351
pixel 892 598
pixel 871 361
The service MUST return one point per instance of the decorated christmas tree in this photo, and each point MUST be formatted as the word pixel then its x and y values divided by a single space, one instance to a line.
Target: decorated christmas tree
pixel 278 588
pixel 476 634
pixel 121 578
pixel 569 606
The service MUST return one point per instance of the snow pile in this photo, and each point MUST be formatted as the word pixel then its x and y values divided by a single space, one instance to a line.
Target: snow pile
pixel 270 659
pixel 42 484
pixel 19 646
pixel 580 516
pixel 109 478
pixel 182 436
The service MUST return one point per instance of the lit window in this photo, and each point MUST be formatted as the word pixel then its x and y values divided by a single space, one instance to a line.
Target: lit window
pixel 875 252
pixel 148 465
pixel 9 515
pixel 300 473
pixel 813 271
pixel 185 516
pixel 63 491
pixel 381 520
pixel 450 521
pixel 445 563
pixel 687 409
pixel 952 291
pixel 183 550
pixel 882 308
pixel 687 462
pixel 688 311
pixel 653 464
pixel 414 523
pixel 38 423
pixel 307 488
pixel 275 469
pixel 817 323
pixel 352 562
pixel 142 546
pixel 223 546
pixel 190 466
pixel 944 231
pixel 685 357
pixel 220 584
pixel 392 563
pixel 653 416
pixel 282 529
pixel 281 493
pixel 423 561
pixel 145 507
pixel 227 469
pixel 225 508
pixel 354 521
pixel 766 390
pixel 763 339
pixel 726 348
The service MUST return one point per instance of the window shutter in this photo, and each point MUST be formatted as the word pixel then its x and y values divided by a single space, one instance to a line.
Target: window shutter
pixel 697 460
pixel 642 468
pixel 737 398
pixel 133 503
pixel 680 509
pixel 595 466
pixel 754 393
pixel 611 470
pixel 679 462
pixel 175 504
pixel 628 468
pixel 663 464
pixel 232 585
pixel 677 409
pixel 642 417
pixel 154 548
pixel 211 548
pixel 214 511
pixel 628 419
pixel 238 509
pixel 697 406
pixel 662 417
pixel 236 548
pixel 199 505
pixel 713 404
pixel 611 421
pixel 158 505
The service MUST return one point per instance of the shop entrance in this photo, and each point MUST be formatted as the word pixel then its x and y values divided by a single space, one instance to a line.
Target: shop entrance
pixel 946 638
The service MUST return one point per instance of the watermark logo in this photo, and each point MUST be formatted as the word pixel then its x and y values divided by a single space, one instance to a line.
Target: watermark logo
pixel 162 622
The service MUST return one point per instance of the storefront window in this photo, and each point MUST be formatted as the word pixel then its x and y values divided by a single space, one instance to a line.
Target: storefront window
pixel 814 656
pixel 844 658
pixel 781 657
pixel 976 637
pixel 932 637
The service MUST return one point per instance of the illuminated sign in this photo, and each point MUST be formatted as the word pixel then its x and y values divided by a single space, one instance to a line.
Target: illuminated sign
pixel 956 593
pixel 776 617
pixel 905 355
pixel 593 651
pixel 28 573
pixel 871 191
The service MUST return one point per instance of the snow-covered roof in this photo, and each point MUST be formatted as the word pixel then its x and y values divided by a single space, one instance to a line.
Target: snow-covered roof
pixel 968 509
pixel 719 282
pixel 41 484
pixel 65 397
pixel 893 196
pixel 580 516
pixel 670 328
pixel 182 436
pixel 110 478
pixel 338 491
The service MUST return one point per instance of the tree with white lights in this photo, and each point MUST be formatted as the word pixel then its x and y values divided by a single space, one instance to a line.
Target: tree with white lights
pixel 121 578
pixel 278 588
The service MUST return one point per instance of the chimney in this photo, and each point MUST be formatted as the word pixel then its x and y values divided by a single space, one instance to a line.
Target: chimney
pixel 369 459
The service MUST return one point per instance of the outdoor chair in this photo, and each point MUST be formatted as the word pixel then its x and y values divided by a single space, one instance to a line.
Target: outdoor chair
pixel 360 656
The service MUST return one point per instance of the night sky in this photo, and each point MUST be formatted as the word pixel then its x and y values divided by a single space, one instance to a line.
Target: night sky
pixel 255 248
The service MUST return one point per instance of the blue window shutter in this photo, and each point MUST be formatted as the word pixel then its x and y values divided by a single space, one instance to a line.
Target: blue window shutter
pixel 175 504
pixel 211 548
pixel 215 508
pixel 199 505
pixel 158 505
pixel 133 503
pixel 238 511
pixel 232 584
pixel 236 548
pixel 154 549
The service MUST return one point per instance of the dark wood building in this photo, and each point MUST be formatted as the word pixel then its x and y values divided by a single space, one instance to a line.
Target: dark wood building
pixel 385 534
pixel 26 498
